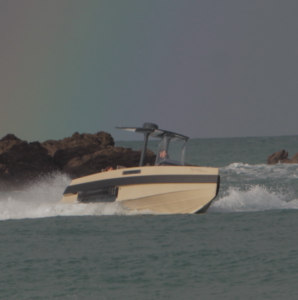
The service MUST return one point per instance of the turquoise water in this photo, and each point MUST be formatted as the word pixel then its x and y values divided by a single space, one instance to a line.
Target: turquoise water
pixel 245 247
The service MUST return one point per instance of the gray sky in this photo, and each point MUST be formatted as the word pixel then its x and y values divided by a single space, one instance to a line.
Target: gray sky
pixel 201 68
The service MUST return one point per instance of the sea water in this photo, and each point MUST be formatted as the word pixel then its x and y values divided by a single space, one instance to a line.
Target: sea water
pixel 244 247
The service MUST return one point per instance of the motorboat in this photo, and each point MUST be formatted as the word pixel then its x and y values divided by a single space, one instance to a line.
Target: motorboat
pixel 168 187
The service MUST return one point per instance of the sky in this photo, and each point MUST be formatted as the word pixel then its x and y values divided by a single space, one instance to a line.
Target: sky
pixel 203 68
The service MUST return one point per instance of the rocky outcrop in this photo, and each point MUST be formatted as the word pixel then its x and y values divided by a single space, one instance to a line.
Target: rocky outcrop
pixel 85 154
pixel 22 163
pixel 79 155
pixel 294 159
pixel 86 141
pixel 8 142
pixel 282 157
pixel 85 164
pixel 278 157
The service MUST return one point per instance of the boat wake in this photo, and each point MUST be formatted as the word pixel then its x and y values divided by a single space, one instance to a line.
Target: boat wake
pixel 261 187
pixel 257 198
pixel 240 171
pixel 257 188
pixel 41 199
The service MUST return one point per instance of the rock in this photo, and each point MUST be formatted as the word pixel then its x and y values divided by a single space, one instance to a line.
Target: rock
pixel 23 163
pixel 8 141
pixel 80 141
pixel 282 157
pixel 294 159
pixel 85 154
pixel 79 155
pixel 278 157
pixel 88 164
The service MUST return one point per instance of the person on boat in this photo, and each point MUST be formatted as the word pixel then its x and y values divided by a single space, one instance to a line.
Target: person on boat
pixel 163 154
pixel 109 168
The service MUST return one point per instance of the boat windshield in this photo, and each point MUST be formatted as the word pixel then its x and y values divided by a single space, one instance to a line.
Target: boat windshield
pixel 171 151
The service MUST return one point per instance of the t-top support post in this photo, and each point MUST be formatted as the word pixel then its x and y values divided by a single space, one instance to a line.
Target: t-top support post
pixel 143 155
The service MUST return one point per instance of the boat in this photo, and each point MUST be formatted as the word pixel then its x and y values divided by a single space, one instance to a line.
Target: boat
pixel 168 187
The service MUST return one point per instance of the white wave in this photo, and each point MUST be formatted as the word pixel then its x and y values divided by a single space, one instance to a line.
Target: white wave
pixel 289 171
pixel 256 198
pixel 41 200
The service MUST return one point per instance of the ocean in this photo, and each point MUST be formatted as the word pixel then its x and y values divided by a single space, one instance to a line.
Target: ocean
pixel 244 247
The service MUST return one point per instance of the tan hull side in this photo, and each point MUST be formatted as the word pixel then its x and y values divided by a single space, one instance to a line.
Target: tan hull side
pixel 69 199
pixel 189 201
pixel 130 192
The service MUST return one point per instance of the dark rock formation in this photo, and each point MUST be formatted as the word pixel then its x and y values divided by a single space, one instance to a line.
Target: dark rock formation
pixel 79 155
pixel 80 141
pixel 282 157
pixel 278 157
pixel 85 154
pixel 86 164
pixel 22 163
pixel 294 159
pixel 8 141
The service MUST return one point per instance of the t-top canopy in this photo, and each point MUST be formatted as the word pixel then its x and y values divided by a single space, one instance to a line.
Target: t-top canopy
pixel 154 131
